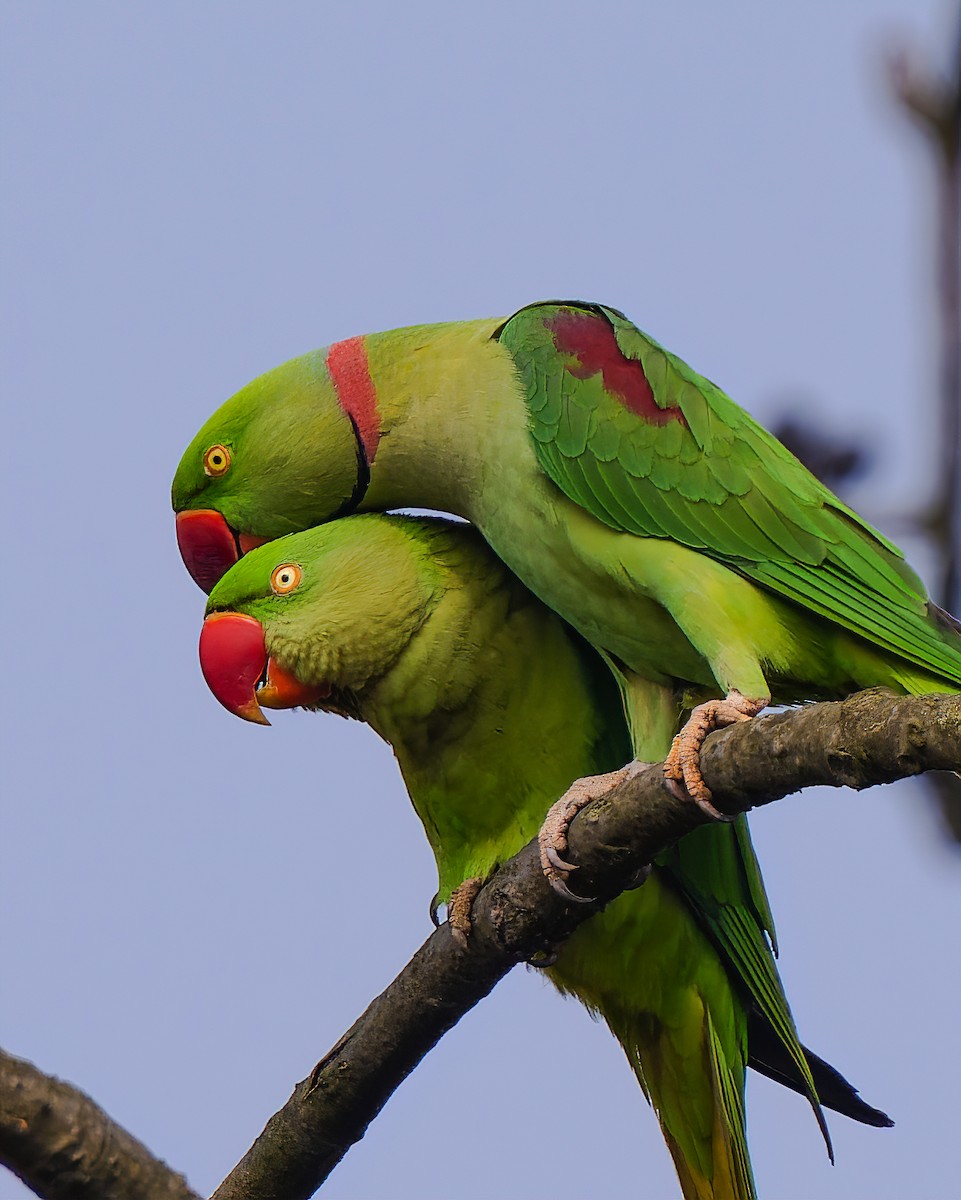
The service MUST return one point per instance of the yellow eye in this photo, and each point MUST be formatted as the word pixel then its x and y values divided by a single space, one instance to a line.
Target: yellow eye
pixel 216 460
pixel 285 578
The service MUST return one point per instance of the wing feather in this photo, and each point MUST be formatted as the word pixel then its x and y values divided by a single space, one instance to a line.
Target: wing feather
pixel 642 442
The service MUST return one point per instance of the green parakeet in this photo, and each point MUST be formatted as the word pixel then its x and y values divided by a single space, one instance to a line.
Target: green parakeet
pixel 492 705
pixel 689 547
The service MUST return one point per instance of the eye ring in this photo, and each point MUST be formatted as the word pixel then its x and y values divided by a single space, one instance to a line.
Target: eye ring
pixel 285 578
pixel 216 460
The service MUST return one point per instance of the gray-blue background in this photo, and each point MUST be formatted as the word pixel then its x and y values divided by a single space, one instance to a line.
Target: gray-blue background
pixel 193 909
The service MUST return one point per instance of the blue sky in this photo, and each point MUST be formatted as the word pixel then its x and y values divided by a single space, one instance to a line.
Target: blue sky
pixel 192 907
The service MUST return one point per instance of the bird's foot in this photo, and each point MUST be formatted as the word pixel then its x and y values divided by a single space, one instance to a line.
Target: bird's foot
pixel 542 959
pixel 640 876
pixel 458 909
pixel 552 838
pixel 682 767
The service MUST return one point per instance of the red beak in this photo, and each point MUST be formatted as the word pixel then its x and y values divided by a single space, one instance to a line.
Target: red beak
pixel 207 545
pixel 233 657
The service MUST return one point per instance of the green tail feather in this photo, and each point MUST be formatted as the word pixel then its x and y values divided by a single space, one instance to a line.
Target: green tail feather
pixel 650 972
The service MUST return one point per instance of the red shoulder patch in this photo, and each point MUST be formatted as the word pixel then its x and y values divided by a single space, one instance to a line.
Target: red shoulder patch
pixel 347 363
pixel 590 340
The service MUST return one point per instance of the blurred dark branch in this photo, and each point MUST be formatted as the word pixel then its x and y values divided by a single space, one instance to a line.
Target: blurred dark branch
pixel 934 104
pixel 65 1147
pixel 873 737
pixel 833 461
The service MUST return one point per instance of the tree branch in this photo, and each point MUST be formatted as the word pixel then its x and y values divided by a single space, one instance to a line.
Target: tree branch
pixel 65 1147
pixel 870 738
pixel 934 104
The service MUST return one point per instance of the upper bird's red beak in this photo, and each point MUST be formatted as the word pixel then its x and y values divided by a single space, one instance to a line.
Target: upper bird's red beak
pixel 233 658
pixel 207 545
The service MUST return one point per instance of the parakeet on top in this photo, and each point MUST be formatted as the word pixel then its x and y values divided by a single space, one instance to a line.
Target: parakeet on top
pixel 492 705
pixel 690 548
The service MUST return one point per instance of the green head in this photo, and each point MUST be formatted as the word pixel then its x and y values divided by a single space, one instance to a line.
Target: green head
pixel 283 454
pixel 313 618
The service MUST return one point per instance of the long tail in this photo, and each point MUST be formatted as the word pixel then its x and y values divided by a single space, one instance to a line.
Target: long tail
pixel 769 1056
pixel 647 969
pixel 717 1166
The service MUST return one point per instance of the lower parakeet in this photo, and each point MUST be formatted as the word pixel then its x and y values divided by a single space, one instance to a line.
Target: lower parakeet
pixel 492 705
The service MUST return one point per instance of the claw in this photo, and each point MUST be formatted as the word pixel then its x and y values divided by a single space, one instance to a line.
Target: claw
pixel 563 890
pixel 543 958
pixel 680 792
pixel 434 906
pixel 556 861
pixel 709 810
pixel 552 838
pixel 640 877
pixel 677 789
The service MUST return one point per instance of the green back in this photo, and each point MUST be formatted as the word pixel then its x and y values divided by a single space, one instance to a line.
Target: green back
pixel 646 445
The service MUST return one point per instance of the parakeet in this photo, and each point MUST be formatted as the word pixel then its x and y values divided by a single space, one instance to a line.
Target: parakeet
pixel 683 541
pixel 492 705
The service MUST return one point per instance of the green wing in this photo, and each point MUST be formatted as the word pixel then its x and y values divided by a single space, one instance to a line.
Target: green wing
pixel 646 445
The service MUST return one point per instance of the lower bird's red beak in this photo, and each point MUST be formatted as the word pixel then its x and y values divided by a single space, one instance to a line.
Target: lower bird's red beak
pixel 233 658
pixel 207 545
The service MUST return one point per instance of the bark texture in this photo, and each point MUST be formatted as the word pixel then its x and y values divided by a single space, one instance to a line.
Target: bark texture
pixel 65 1147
